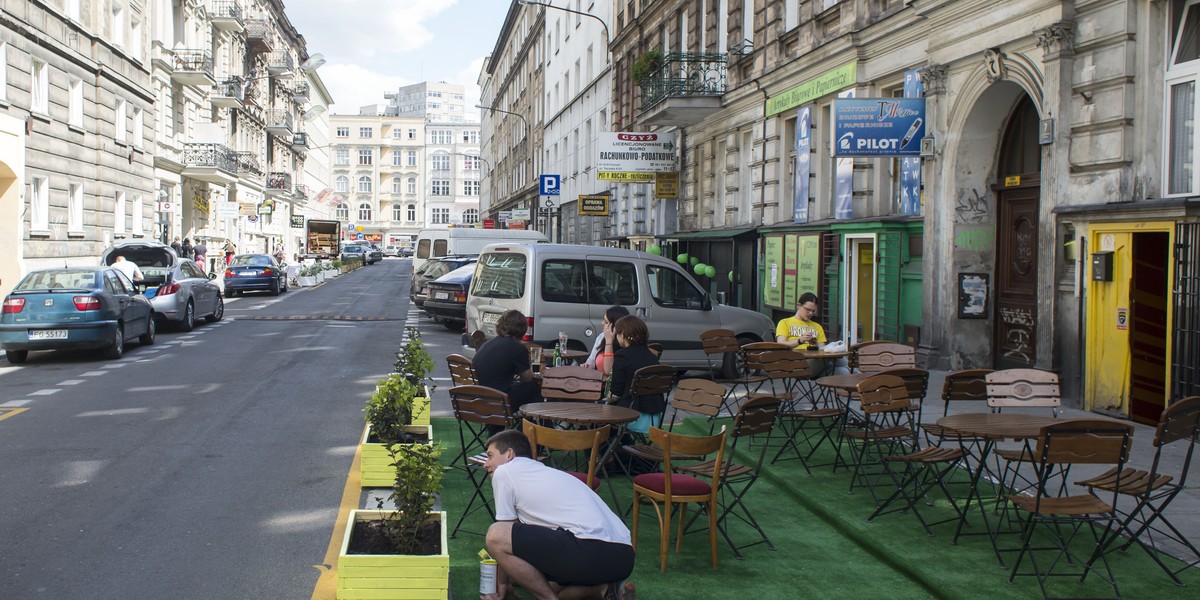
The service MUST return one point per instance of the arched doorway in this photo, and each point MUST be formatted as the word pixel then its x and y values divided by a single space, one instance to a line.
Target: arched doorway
pixel 1018 188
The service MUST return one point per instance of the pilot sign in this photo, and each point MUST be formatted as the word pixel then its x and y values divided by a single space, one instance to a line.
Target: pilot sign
pixel 878 126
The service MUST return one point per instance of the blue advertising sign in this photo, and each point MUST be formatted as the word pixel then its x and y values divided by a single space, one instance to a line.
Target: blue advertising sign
pixel 549 185
pixel 910 166
pixel 843 184
pixel 878 126
pixel 803 163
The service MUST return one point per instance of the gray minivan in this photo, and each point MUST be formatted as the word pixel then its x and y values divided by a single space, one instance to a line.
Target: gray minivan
pixel 567 288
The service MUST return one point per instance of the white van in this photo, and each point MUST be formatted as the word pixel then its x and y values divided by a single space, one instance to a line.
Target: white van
pixel 443 241
pixel 567 288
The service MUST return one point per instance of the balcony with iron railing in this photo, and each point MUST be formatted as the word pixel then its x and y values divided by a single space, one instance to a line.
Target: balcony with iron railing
pixel 685 90
pixel 228 93
pixel 300 142
pixel 279 122
pixel 258 35
pixel 301 193
pixel 279 183
pixel 300 91
pixel 281 63
pixel 226 15
pixel 211 162
pixel 248 166
pixel 192 67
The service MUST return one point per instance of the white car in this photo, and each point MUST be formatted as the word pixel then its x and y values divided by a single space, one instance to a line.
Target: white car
pixel 391 250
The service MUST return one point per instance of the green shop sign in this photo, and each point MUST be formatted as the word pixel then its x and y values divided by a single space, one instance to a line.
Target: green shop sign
pixel 827 83
pixel 793 266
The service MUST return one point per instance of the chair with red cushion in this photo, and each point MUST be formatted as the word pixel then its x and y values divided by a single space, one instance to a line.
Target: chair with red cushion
pixel 569 441
pixel 665 489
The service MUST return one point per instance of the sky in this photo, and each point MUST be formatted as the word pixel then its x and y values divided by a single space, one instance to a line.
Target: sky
pixel 373 47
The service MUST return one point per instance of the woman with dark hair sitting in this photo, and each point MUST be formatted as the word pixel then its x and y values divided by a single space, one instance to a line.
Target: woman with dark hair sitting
pixel 502 362
pixel 632 335
pixel 605 347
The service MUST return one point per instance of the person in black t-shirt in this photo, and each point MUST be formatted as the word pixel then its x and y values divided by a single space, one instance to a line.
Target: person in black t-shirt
pixel 502 362
pixel 632 334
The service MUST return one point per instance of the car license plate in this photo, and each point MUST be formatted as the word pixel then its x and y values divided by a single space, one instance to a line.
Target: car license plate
pixel 47 334
pixel 441 295
pixel 490 318
pixel 247 273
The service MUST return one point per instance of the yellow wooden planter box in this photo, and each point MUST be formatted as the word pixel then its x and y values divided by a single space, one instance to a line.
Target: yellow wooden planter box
pixel 392 576
pixel 375 468
pixel 421 409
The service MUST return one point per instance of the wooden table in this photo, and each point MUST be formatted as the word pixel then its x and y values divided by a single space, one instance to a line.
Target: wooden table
pixel 821 354
pixel 847 382
pixel 584 415
pixel 568 355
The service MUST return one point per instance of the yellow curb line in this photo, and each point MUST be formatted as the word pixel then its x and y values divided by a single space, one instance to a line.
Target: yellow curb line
pixel 8 412
pixel 326 586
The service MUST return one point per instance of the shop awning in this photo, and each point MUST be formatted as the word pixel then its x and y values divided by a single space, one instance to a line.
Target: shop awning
pixel 709 234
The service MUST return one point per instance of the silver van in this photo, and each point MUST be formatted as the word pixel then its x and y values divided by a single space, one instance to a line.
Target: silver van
pixel 567 288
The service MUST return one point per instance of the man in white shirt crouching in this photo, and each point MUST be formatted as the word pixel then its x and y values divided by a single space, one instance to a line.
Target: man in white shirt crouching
pixel 553 535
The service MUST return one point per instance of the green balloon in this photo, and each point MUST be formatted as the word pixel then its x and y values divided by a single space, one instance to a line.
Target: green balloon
pixel 710 271
pixel 655 250
pixel 682 259
pixel 698 268
pixel 694 260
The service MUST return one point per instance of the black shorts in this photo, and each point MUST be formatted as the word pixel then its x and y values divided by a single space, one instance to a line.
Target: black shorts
pixel 566 560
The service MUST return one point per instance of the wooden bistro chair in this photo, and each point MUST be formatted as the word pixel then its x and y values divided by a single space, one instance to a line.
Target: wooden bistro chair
pixel 667 488
pixel 462 370
pixel 727 362
pixel 755 420
pixel 477 339
pixel 572 384
pixel 479 411
pixel 650 381
pixel 852 360
pixel 881 356
pixel 887 424
pixel 1152 490
pixel 576 440
pixel 959 388
pixel 1068 442
pixel 1021 388
pixel 692 396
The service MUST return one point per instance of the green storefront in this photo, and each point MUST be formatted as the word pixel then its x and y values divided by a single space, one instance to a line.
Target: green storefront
pixel 867 274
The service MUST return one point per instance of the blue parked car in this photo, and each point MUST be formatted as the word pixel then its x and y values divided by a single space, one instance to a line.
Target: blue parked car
pixel 73 309
pixel 255 272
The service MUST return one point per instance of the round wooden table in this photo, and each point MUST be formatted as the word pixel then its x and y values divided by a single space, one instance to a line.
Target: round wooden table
pixel 581 413
pixel 847 382
pixel 821 354
pixel 569 356
pixel 996 426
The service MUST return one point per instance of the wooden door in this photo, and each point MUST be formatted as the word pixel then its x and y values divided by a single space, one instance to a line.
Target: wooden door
pixel 1148 326
pixel 1014 340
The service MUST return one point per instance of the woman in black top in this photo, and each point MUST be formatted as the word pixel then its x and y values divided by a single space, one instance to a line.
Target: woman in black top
pixel 502 362
pixel 632 336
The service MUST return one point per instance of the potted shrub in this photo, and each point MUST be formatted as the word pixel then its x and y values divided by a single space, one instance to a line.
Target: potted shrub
pixel 308 276
pixel 389 415
pixel 400 553
pixel 646 65
pixel 414 363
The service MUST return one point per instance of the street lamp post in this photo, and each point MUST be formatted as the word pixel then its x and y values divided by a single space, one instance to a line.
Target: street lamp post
pixel 607 38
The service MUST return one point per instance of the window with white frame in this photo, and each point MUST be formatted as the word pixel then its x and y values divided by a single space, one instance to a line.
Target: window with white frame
pixel 471 163
pixel 397 186
pixel 135 39
pixel 118 26
pixel 397 212
pixel 364 184
pixel 341 183
pixel 341 156
pixel 397 134
pixel 471 216
pixel 412 134
pixel 75 207
pixel 138 208
pixel 411 211
pixel 365 156
pixel 411 158
pixel 397 158
pixel 441 216
pixel 366 132
pixel 72 10
pixel 1182 79
pixel 342 132
pixel 120 126
pixel 3 71
pixel 441 162
pixel 412 185
pixel 441 136
pixel 119 212
pixel 470 188
pixel 342 212
pixel 75 103
pixel 470 136
pixel 440 187
pixel 139 122
pixel 39 101
pixel 364 212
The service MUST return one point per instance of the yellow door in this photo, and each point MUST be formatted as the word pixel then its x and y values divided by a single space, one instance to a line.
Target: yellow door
pixel 1108 325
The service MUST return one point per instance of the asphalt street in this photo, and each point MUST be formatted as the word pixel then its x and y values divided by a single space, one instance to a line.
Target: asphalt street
pixel 209 465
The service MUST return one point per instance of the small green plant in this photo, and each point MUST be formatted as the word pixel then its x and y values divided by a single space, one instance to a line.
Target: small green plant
pixel 646 64
pixel 337 264
pixel 418 483
pixel 413 361
pixel 390 409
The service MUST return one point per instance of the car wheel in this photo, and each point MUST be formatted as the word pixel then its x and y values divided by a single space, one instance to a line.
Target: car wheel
pixel 17 357
pixel 189 317
pixel 147 339
pixel 729 366
pixel 285 286
pixel 275 289
pixel 117 348
pixel 218 311
pixel 455 325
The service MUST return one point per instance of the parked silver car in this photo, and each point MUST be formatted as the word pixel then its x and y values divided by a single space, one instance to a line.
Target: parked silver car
pixel 177 288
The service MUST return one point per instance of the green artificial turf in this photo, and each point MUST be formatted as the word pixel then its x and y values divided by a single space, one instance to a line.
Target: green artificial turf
pixel 825 548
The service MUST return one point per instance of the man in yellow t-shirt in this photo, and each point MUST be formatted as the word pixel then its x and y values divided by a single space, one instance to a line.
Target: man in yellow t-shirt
pixel 801 332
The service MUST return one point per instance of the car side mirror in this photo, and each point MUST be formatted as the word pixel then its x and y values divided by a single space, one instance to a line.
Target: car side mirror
pixel 212 275
pixel 707 303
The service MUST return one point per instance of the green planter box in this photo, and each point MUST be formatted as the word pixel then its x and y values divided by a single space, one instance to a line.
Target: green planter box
pixel 375 465
pixel 391 576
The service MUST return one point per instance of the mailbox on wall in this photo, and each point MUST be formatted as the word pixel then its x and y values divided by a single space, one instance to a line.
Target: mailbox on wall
pixel 1102 266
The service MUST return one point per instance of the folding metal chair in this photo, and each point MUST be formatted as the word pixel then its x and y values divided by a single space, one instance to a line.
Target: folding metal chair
pixel 723 343
pixel 1021 388
pixel 1075 441
pixel 480 411
pixel 1153 491
pixel 888 422
pixel 968 385
pixel 462 370
pixel 873 357
pixel 565 440
pixel 572 384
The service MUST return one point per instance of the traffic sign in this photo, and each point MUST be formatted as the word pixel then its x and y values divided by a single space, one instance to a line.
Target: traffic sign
pixel 549 185
pixel 489 223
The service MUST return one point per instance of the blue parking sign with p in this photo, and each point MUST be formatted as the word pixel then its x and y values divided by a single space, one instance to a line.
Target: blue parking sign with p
pixel 549 185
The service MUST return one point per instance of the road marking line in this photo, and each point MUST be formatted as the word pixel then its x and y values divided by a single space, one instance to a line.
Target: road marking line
pixel 119 365
pixel 4 414
pixel 326 586
pixel 70 382
pixel 45 392
pixel 15 403
pixel 93 373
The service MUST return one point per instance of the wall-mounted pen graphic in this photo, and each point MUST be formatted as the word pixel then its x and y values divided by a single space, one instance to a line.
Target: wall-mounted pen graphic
pixel 912 133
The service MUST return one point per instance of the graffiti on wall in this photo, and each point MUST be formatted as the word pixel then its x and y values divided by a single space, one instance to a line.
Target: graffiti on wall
pixel 971 207
pixel 1019 322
